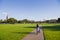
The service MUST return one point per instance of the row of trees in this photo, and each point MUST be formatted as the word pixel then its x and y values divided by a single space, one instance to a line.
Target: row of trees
pixel 53 21
pixel 13 21
pixel 10 20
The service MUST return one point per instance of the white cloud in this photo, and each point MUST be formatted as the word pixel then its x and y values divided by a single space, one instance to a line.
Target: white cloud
pixel 4 13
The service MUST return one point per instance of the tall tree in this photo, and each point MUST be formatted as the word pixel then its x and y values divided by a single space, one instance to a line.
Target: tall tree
pixel 12 20
pixel 58 20
pixel 1 21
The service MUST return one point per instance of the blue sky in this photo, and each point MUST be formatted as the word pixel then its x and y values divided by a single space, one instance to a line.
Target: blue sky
pixel 30 9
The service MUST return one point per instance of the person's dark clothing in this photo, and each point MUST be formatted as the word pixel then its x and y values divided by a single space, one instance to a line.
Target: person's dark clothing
pixel 37 28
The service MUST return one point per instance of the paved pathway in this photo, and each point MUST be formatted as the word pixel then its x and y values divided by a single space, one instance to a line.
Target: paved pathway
pixel 34 36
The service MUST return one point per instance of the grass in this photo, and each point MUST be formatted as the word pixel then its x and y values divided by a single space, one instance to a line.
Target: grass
pixel 51 31
pixel 14 31
pixel 18 31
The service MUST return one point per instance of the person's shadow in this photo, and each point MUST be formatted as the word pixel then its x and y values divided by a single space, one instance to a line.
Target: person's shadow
pixel 52 28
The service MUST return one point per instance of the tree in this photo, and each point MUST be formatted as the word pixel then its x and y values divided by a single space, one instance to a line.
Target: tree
pixel 12 20
pixel 58 20
pixel 25 21
pixel 19 21
pixel 1 21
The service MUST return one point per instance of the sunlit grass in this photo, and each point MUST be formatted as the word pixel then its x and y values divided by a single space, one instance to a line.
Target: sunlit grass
pixel 14 31
pixel 51 31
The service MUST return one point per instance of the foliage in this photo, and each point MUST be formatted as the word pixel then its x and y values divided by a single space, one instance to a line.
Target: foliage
pixel 0 21
pixel 12 20
pixel 58 20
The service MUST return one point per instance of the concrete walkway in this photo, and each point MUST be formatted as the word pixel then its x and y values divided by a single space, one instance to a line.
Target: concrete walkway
pixel 34 36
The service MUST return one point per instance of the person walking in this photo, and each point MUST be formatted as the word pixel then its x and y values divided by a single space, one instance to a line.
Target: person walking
pixel 37 29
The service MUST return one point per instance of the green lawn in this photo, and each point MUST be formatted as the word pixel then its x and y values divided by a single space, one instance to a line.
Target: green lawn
pixel 51 31
pixel 14 31
pixel 18 31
